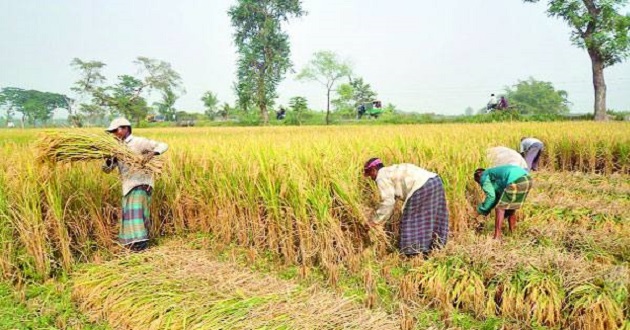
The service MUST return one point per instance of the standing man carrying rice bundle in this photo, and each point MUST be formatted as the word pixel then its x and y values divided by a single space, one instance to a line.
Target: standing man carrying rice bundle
pixel 424 223
pixel 137 185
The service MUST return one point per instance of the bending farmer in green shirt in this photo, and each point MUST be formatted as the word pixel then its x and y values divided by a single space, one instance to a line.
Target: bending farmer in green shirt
pixel 506 188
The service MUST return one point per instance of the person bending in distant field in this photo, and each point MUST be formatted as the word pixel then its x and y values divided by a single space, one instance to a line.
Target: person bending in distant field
pixel 505 188
pixel 137 186
pixel 531 148
pixel 424 223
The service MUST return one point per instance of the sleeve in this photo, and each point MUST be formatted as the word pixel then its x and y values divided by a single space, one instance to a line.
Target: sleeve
pixel 157 147
pixel 388 197
pixel 485 207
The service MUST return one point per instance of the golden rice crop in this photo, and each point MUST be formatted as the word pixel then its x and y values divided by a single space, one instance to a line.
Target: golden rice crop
pixel 296 195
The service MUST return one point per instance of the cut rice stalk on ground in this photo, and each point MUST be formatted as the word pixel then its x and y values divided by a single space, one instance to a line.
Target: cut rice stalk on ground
pixel 179 288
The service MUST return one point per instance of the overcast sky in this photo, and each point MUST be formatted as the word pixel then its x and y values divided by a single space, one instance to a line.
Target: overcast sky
pixel 427 56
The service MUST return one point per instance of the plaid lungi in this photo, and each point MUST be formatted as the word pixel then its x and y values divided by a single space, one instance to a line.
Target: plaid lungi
pixel 135 222
pixel 424 221
pixel 515 193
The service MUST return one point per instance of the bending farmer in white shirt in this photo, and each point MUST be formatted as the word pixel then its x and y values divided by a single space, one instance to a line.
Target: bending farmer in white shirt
pixel 137 186
pixel 424 223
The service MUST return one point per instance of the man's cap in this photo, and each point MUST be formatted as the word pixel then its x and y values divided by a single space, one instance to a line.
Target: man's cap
pixel 118 122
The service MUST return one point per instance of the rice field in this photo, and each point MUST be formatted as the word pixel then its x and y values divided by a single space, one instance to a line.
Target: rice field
pixel 293 198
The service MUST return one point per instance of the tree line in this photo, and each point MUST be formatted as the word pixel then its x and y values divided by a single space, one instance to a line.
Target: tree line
pixel 263 61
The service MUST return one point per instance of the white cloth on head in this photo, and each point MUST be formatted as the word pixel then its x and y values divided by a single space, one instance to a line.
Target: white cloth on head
pixel 528 142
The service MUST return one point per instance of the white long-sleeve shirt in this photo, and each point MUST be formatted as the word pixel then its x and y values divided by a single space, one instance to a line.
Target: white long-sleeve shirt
pixel 493 100
pixel 528 142
pixel 132 179
pixel 398 182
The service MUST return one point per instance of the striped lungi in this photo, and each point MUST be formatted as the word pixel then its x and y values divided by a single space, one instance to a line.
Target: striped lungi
pixel 135 223
pixel 515 193
pixel 424 221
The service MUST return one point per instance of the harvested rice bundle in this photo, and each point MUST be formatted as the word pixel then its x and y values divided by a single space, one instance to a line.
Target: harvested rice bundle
pixel 69 147
pixel 498 156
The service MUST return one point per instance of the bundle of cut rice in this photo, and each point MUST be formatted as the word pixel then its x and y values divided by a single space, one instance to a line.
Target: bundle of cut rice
pixel 68 147
pixel 498 156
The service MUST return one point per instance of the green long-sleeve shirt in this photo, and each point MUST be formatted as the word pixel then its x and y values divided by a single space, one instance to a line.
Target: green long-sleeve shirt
pixel 493 182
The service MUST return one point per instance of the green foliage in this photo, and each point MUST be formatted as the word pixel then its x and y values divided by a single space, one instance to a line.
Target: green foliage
pixel 598 26
pixel 344 103
pixel 299 107
pixel 32 104
pixel 167 106
pixel 126 100
pixel 127 96
pixel 350 95
pixel 326 69
pixel 210 102
pixel 390 108
pixel 225 111
pixel 90 80
pixel 362 92
pixel 263 47
pixel 538 97
pixel 48 306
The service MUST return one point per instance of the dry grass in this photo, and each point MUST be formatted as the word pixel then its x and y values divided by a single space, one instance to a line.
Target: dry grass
pixel 177 288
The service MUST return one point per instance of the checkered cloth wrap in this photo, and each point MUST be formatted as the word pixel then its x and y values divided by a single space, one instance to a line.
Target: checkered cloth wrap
pixel 135 223
pixel 425 219
pixel 515 193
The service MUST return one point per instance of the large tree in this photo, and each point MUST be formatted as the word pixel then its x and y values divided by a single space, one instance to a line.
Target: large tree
pixel 127 97
pixel 326 69
pixel 32 104
pixel 600 28
pixel 538 97
pixel 263 48
pixel 90 78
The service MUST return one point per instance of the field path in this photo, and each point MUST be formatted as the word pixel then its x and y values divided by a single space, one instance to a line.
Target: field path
pixel 173 287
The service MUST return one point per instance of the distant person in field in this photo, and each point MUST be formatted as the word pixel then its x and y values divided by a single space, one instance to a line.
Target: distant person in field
pixel 503 103
pixel 531 148
pixel 424 223
pixel 137 186
pixel 505 188
pixel 361 111
pixel 281 114
pixel 492 103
